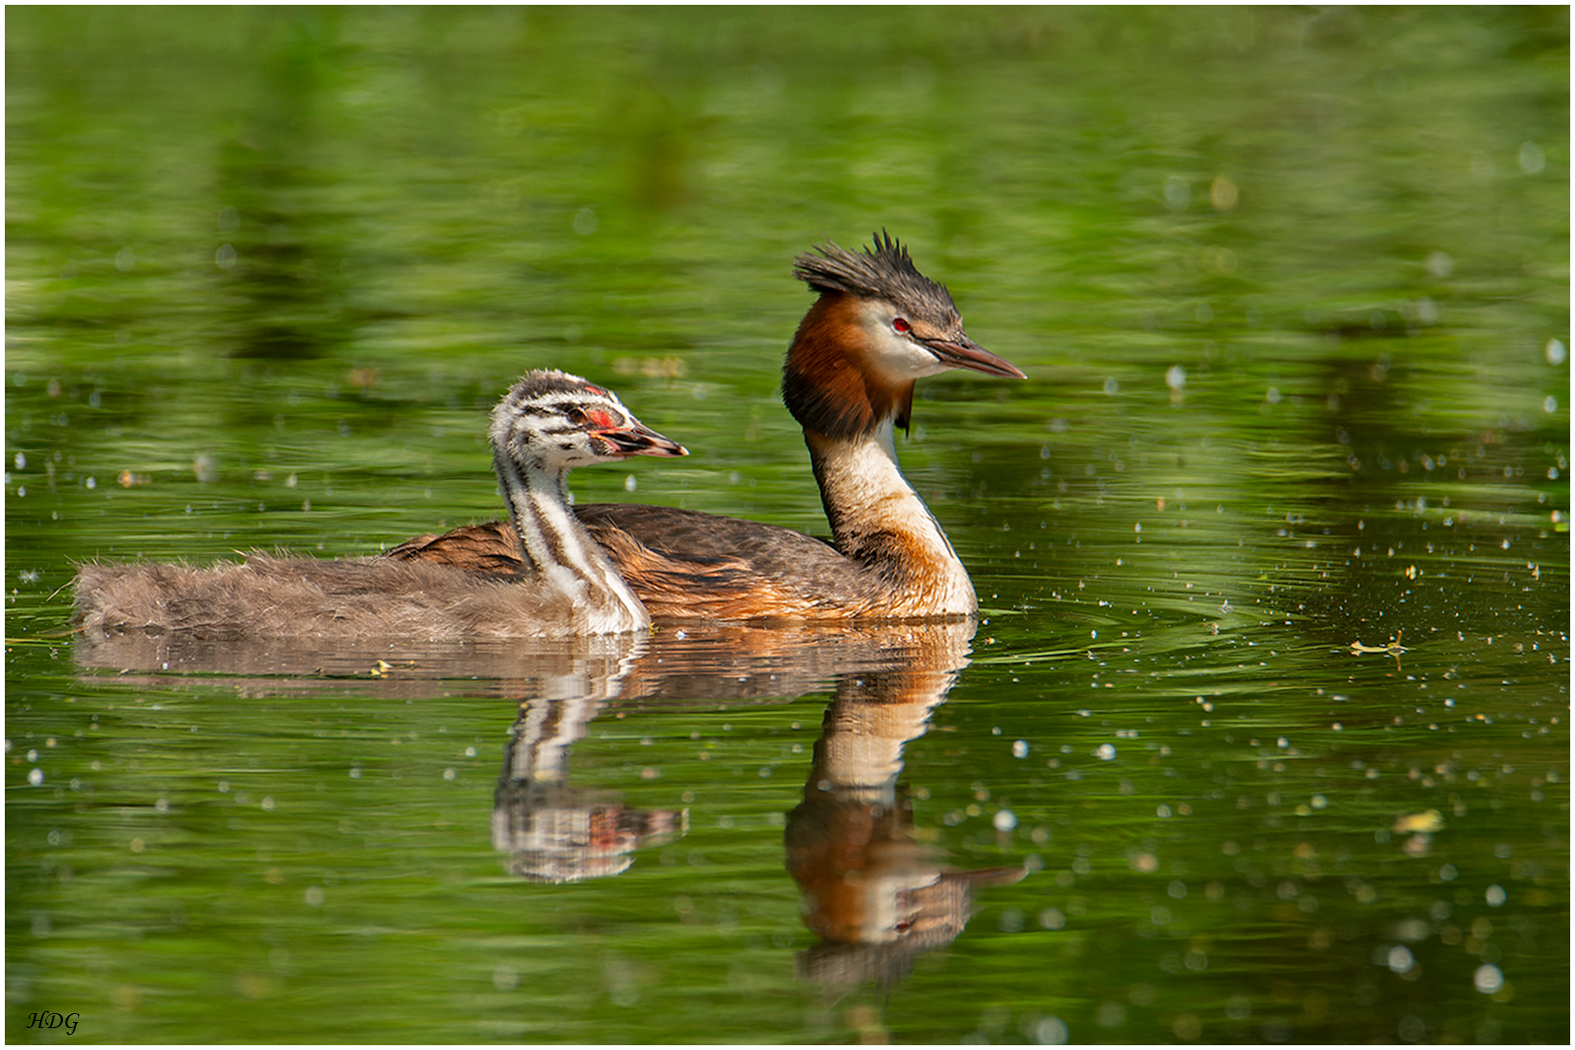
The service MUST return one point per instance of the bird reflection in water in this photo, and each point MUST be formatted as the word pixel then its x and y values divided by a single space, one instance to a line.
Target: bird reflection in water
pixel 876 895
pixel 552 831
pixel 549 830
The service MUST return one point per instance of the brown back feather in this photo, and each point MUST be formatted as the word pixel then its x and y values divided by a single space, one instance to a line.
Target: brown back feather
pixel 685 565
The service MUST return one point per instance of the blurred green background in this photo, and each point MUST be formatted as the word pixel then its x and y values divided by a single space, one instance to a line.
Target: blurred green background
pixel 1291 287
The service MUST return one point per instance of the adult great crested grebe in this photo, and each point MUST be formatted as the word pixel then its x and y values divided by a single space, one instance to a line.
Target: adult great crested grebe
pixel 878 326
pixel 560 582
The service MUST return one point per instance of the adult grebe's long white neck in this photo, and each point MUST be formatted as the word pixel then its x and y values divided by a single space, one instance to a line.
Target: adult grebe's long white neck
pixel 877 519
pixel 878 326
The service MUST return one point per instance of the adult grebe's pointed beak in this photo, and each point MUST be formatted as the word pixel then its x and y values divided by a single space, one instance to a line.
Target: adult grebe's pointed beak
pixel 963 352
pixel 637 439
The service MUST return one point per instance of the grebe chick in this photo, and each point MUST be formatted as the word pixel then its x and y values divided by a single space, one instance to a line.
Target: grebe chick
pixel 560 582
pixel 878 326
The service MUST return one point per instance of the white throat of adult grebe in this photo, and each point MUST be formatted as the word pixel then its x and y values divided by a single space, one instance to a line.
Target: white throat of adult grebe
pixel 872 466
pixel 876 515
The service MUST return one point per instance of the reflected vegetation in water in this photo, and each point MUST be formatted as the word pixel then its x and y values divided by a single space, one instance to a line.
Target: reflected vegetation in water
pixel 1262 735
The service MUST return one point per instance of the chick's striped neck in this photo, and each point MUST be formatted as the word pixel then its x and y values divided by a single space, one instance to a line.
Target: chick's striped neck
pixel 557 550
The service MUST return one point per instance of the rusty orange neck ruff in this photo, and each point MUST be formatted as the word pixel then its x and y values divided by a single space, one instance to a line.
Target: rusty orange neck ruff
pixel 826 383
pixel 849 410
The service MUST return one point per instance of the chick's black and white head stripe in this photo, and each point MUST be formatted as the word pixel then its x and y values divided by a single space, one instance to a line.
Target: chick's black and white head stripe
pixel 552 417
pixel 559 421
pixel 886 273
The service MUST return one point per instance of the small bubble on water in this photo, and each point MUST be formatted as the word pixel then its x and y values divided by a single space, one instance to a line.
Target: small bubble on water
pixel 1051 1031
pixel 1532 160
pixel 1488 979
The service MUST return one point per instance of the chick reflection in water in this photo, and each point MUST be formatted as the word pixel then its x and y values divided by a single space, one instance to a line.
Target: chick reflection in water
pixel 876 895
pixel 552 831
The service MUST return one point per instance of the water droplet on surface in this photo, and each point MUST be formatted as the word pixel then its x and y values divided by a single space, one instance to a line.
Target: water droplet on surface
pixel 1531 158
pixel 1488 979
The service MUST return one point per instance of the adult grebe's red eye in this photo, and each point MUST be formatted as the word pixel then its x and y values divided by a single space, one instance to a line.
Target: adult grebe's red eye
pixel 901 324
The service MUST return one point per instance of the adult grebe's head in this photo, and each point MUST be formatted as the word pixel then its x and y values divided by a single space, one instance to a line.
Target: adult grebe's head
pixel 878 326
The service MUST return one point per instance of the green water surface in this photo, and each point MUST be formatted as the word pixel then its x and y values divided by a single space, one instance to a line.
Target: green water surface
pixel 1267 709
